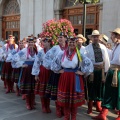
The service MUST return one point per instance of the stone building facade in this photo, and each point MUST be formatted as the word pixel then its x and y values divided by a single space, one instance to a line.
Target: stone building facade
pixel 25 17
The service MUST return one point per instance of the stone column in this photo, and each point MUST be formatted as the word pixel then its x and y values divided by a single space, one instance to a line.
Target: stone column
pixel 100 17
pixel 58 8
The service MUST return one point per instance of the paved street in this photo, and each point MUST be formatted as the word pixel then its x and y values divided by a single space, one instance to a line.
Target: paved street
pixel 13 108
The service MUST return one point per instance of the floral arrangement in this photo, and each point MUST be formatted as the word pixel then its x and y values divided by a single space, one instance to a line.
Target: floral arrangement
pixel 52 28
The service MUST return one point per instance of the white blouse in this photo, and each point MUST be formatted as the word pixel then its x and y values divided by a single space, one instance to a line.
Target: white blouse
pixel 50 55
pixel 21 57
pixel 7 51
pixel 38 61
pixel 70 64
pixel 85 66
pixel 116 55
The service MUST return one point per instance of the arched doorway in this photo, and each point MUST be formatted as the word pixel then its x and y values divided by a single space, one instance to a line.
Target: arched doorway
pixel 11 19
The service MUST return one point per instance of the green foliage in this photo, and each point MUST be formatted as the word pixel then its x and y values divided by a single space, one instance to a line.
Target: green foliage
pixel 88 1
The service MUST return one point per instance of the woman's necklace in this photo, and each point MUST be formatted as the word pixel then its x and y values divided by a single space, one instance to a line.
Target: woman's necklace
pixel 70 54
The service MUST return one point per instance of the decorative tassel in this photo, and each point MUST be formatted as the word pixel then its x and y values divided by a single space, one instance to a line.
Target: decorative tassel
pixel 103 75
pixel 115 79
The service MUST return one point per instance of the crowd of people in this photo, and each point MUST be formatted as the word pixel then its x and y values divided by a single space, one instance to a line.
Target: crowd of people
pixel 68 72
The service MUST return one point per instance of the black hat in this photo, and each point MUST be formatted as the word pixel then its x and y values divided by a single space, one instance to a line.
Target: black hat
pixel 47 39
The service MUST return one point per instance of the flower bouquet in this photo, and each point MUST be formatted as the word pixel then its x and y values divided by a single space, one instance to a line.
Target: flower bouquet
pixel 52 28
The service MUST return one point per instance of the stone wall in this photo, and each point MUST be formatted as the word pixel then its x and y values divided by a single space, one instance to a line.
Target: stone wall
pixel 33 14
pixel 110 16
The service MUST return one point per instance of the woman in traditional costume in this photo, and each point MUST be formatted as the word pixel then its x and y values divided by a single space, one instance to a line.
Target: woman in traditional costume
pixel 42 74
pixel 25 58
pixel 16 71
pixel 72 66
pixel 8 48
pixel 52 86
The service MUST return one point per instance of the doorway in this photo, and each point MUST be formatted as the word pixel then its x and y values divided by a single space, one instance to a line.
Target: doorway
pixel 11 20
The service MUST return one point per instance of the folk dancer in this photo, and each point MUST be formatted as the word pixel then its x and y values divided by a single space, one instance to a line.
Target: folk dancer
pixel 9 47
pixel 16 71
pixel 52 86
pixel 72 66
pixel 98 54
pixel 42 74
pixel 25 58
pixel 111 99
pixel 104 40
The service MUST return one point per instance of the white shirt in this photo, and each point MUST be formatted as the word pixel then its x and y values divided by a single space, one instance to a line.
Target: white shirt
pixel 116 55
pixel 91 56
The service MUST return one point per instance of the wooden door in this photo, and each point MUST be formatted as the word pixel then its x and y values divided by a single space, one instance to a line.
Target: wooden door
pixel 11 25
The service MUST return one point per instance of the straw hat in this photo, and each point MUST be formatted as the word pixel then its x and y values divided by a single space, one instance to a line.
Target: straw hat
pixel 81 36
pixel 94 33
pixel 104 38
pixel 117 30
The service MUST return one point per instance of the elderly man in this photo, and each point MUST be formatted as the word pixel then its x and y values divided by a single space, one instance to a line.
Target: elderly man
pixel 111 99
pixel 98 54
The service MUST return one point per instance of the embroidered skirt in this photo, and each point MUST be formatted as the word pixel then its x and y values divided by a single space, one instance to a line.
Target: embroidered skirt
pixel 40 86
pixel 111 99
pixel 6 71
pixel 52 86
pixel 15 74
pixel 67 95
pixel 95 88
pixel 27 82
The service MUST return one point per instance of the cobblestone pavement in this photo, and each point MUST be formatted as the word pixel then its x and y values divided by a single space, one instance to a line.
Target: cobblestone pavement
pixel 13 108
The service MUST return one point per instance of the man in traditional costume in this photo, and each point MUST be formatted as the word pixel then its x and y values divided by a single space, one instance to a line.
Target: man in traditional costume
pixel 98 54
pixel 80 42
pixel 111 99
pixel 104 40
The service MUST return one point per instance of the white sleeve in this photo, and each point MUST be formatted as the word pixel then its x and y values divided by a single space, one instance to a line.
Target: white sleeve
pixel 21 55
pixel 37 63
pixel 56 62
pixel 49 57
